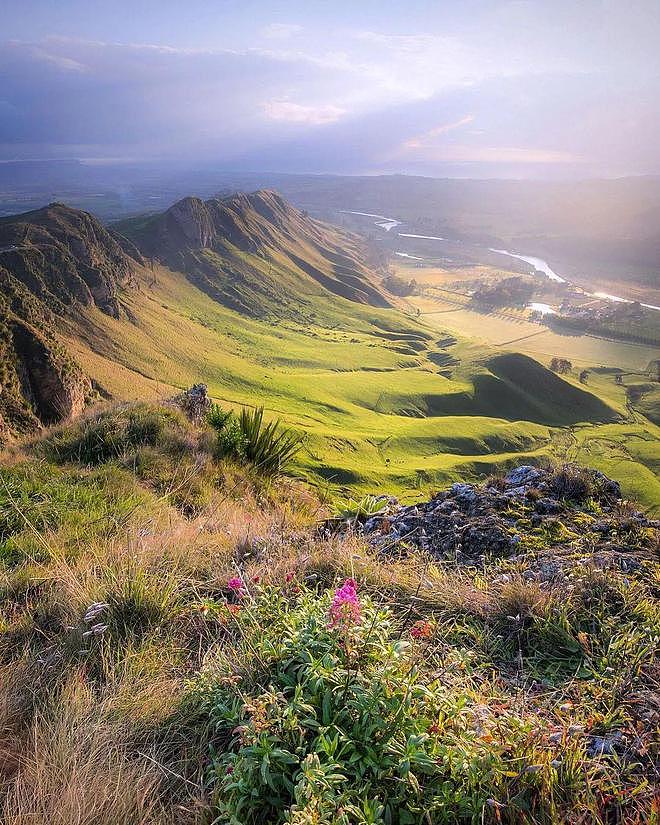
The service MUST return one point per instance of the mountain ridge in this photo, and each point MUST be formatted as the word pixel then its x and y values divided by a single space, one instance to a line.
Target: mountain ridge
pixel 63 256
pixel 256 253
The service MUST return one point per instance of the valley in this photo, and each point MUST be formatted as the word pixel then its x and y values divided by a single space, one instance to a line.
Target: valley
pixel 329 413
pixel 402 394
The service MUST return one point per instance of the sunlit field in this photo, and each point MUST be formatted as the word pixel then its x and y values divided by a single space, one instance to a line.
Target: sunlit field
pixel 382 410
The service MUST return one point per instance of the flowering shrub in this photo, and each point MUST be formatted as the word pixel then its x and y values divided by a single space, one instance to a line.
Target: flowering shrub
pixel 319 727
pixel 421 630
pixel 236 586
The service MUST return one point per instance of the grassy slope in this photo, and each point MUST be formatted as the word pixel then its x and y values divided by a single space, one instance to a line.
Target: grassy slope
pixel 357 383
pixel 123 725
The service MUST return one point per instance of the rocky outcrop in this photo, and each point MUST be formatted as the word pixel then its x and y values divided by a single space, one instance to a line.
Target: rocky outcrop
pixel 194 402
pixel 40 383
pixel 532 515
pixel 49 380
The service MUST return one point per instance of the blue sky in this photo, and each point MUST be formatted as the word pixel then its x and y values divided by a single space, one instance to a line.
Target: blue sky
pixel 516 88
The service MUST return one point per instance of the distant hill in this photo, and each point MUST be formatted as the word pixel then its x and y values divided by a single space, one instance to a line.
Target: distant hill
pixel 257 254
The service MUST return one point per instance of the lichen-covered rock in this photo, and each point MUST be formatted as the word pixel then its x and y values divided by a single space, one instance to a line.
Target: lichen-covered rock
pixel 194 402
pixel 511 519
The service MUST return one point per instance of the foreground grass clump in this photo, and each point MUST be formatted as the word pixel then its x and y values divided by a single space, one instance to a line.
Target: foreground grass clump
pixel 161 665
pixel 158 445
pixel 113 432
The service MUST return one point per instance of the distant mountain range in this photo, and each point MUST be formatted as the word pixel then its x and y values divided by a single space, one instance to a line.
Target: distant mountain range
pixel 599 232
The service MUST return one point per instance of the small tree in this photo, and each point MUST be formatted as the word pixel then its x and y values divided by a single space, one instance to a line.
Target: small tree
pixel 561 365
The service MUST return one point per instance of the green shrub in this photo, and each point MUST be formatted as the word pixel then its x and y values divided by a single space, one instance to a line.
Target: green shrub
pixel 270 447
pixel 115 432
pixel 322 724
pixel 353 510
pixel 218 418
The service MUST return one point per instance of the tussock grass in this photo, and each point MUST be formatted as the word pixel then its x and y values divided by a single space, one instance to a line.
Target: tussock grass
pixel 111 727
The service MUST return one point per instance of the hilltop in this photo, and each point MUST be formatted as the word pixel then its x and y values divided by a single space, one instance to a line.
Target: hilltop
pixel 256 254
pixel 62 255
pixel 57 262
pixel 187 639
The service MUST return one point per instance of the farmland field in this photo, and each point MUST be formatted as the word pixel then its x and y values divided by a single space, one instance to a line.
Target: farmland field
pixel 500 330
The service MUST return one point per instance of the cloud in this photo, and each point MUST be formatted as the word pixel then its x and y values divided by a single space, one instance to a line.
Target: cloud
pixel 58 61
pixel 500 154
pixel 280 31
pixel 285 110
pixel 429 137
pixel 335 100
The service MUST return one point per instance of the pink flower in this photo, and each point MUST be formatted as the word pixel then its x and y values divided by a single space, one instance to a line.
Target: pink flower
pixel 289 577
pixel 236 585
pixel 345 608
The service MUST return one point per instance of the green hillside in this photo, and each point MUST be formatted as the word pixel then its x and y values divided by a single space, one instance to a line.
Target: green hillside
pixel 257 254
pixel 366 388
pixel 270 308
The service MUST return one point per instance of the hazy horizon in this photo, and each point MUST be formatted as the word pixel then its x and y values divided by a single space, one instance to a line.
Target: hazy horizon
pixel 473 89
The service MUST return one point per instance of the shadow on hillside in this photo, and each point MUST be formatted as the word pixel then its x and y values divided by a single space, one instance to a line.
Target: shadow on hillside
pixel 517 388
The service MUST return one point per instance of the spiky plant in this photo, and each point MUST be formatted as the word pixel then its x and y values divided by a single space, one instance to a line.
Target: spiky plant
pixel 269 447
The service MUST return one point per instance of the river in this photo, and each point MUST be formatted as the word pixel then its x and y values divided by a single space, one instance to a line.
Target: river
pixel 538 263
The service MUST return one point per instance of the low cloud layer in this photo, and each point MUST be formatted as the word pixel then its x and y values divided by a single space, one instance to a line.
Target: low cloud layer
pixel 517 87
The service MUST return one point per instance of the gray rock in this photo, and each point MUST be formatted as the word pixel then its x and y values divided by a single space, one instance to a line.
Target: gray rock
pixel 549 506
pixel 194 402
pixel 464 495
pixel 599 745
pixel 526 474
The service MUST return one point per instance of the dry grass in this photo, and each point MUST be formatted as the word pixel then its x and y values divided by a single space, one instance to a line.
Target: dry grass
pixel 74 768
pixel 102 729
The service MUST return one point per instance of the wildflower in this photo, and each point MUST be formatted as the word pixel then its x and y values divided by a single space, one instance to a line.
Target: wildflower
pixel 230 769
pixel 345 607
pixel 433 729
pixel 289 577
pixel 236 585
pixel 421 630
pixel 256 579
pixel 234 609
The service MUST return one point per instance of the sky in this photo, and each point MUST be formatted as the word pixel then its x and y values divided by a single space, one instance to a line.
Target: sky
pixel 467 88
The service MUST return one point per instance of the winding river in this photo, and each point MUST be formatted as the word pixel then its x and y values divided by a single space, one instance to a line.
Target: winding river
pixel 538 263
